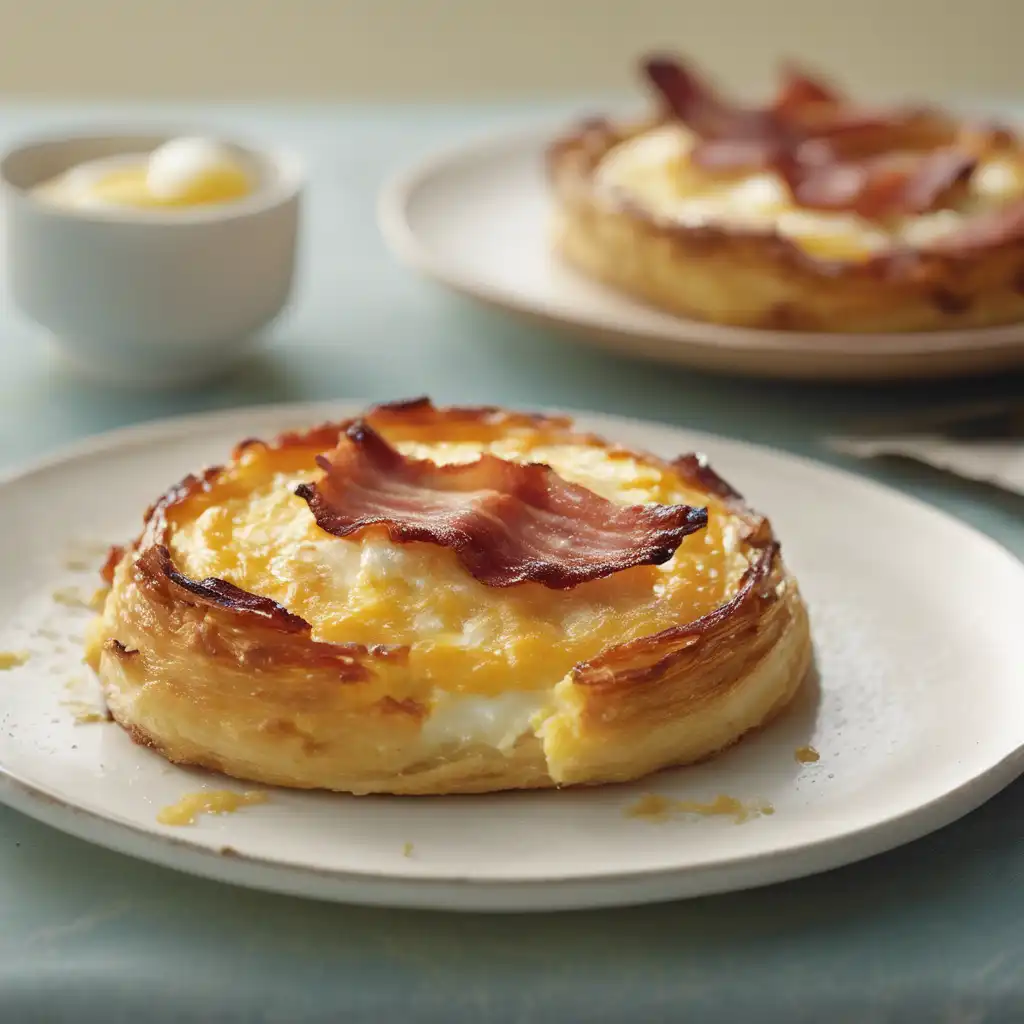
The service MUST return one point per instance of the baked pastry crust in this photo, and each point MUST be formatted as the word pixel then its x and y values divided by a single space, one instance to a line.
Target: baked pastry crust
pixel 970 274
pixel 209 673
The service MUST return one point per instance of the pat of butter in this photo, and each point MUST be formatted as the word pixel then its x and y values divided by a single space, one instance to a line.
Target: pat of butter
pixel 192 171
pixel 183 172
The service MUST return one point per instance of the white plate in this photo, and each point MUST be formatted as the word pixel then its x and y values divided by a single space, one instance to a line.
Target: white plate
pixel 477 220
pixel 919 716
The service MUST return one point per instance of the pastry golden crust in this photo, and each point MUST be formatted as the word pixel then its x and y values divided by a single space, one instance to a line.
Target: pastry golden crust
pixel 241 637
pixel 693 239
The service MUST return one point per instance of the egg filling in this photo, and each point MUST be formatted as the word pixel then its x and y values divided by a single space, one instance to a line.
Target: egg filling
pixel 489 658
pixel 654 171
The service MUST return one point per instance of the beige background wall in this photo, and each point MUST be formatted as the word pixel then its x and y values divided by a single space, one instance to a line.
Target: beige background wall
pixel 327 49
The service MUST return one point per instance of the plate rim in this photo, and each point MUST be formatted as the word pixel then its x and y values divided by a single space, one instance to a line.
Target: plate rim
pixel 509 895
pixel 394 199
pixel 383 888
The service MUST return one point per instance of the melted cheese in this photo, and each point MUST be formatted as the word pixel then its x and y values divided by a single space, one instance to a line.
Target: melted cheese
pixel 654 170
pixel 463 636
pixel 207 801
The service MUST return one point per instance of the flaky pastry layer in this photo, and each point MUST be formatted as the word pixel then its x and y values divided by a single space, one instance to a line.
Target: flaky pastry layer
pixel 240 637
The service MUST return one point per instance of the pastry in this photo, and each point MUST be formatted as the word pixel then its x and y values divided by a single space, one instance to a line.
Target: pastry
pixel 811 213
pixel 425 601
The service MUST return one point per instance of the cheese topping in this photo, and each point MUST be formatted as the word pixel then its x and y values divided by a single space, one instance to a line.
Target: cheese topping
pixel 253 531
pixel 654 171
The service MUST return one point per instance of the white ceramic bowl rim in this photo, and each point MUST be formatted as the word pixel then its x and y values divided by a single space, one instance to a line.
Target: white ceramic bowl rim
pixel 283 169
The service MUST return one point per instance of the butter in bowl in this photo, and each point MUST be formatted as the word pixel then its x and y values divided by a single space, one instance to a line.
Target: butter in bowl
pixel 151 260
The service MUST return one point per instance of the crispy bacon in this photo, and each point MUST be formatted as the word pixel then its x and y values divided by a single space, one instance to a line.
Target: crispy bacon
pixel 850 133
pixel 734 137
pixel 833 156
pixel 800 90
pixel 509 523
pixel 897 183
pixel 698 106
pixel 731 137
pixel 997 227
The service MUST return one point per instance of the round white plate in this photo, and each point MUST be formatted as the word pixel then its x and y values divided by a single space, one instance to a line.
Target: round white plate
pixel 477 220
pixel 918 714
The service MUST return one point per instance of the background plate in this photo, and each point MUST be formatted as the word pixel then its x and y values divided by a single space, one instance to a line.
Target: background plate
pixel 917 715
pixel 476 219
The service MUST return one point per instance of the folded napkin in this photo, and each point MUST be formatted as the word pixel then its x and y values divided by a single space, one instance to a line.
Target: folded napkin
pixel 983 443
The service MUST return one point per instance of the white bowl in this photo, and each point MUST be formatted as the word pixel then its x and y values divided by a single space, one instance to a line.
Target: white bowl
pixel 151 297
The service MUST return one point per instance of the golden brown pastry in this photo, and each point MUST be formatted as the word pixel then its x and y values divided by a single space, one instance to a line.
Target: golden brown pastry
pixel 428 600
pixel 811 213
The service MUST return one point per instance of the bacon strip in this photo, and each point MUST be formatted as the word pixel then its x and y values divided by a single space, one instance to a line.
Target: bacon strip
pixel 736 138
pixel 731 137
pixel 832 156
pixel 992 228
pixel 799 90
pixel 900 183
pixel 509 523
pixel 853 134
pixel 697 105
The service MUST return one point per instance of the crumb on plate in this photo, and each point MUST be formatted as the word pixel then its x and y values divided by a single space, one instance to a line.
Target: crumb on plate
pixel 207 801
pixel 13 659
pixel 70 597
pixel 655 807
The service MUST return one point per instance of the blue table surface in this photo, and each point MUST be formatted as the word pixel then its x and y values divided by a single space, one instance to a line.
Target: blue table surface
pixel 931 932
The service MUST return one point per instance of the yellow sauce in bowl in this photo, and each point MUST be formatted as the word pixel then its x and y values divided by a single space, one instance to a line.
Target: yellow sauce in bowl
pixel 182 173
